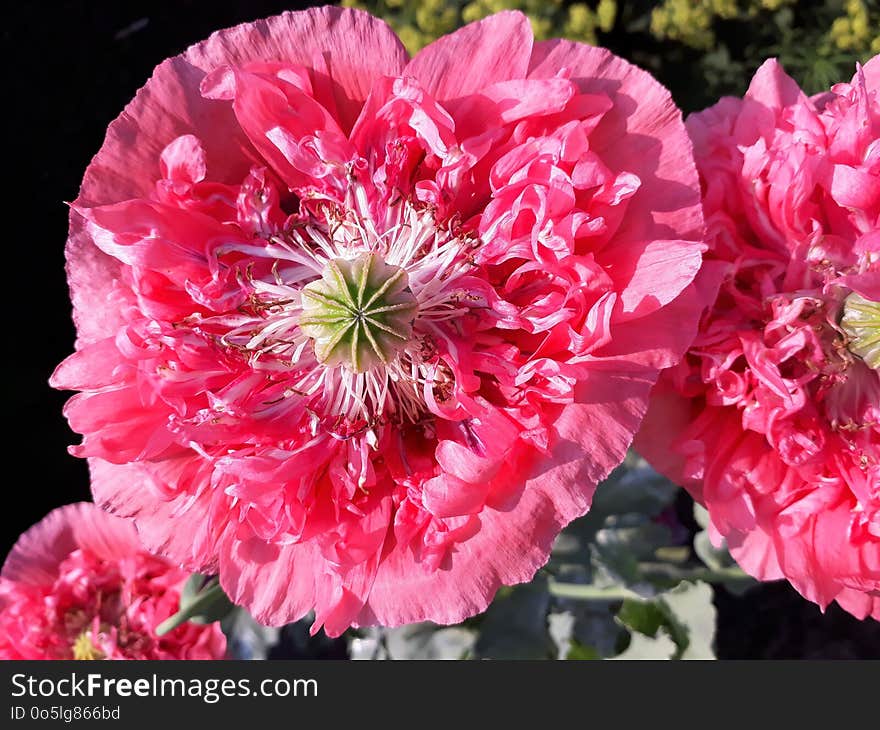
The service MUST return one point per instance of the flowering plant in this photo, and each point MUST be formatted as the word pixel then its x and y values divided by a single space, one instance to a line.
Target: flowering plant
pixel 361 333
pixel 773 420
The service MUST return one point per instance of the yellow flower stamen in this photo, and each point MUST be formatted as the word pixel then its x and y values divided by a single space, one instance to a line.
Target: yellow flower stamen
pixel 83 648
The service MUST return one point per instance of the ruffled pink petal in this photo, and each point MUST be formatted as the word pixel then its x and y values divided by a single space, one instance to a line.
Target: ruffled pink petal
pixel 867 284
pixel 275 114
pixel 276 583
pixel 756 554
pixel 659 339
pixel 527 212
pixel 348 50
pixel 96 364
pixel 104 535
pixel 669 413
pixel 773 87
pixel 184 160
pixel 93 277
pixel 352 49
pixel 448 496
pixel 36 554
pixel 130 490
pixel 477 55
pixel 770 422
pixel 117 426
pixel 158 237
pixel 859 604
pixel 657 150
pixel 515 540
pixel 854 188
pixel 655 341
pixel 35 557
pixel 651 274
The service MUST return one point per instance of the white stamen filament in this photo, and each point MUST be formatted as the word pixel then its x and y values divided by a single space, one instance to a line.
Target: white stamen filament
pixel 433 258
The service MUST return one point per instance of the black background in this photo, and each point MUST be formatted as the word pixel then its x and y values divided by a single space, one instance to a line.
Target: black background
pixel 69 68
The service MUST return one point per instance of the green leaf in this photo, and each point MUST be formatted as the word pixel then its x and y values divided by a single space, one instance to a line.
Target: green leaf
pixel 712 557
pixel 693 616
pixel 685 614
pixel 701 515
pixel 718 560
pixel 646 617
pixel 580 652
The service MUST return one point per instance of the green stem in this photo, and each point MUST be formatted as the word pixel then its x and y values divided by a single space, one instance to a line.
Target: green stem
pixel 210 594
pixel 709 575
pixel 589 593
pixel 583 592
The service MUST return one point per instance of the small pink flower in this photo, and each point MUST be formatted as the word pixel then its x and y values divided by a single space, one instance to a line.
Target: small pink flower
pixel 773 419
pixel 79 585
pixel 361 333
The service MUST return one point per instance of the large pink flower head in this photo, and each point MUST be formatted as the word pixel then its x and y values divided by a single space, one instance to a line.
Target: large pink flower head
pixel 361 333
pixel 79 585
pixel 773 419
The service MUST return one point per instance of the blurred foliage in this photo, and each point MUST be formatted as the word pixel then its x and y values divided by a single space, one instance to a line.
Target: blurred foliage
pixel 418 22
pixel 700 49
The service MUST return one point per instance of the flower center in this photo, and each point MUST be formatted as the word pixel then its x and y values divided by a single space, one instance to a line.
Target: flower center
pixel 360 312
pixel 352 314
pixel 83 648
pixel 861 323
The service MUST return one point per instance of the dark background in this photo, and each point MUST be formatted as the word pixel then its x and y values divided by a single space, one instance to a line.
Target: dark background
pixel 69 68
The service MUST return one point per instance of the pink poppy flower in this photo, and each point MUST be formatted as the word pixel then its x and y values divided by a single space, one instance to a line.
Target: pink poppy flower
pixel 79 585
pixel 773 419
pixel 361 333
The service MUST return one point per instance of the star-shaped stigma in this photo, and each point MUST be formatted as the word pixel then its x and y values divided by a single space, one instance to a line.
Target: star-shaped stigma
pixel 359 313
pixel 861 323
